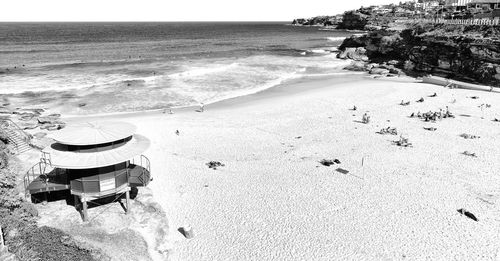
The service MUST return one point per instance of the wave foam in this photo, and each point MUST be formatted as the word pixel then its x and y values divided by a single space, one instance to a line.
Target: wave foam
pixel 336 39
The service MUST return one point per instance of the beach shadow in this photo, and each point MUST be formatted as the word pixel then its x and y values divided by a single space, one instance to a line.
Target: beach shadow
pixel 358 121
pixel 464 115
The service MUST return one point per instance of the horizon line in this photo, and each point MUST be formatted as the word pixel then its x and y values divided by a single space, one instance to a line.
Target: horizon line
pixel 152 21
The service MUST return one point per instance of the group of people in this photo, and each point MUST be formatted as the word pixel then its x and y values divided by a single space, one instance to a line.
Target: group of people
pixel 433 116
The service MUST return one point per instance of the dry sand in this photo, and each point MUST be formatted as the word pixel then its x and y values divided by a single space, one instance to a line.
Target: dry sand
pixel 273 201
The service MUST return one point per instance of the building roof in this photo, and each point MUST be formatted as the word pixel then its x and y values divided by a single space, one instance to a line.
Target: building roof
pixel 92 133
pixel 60 157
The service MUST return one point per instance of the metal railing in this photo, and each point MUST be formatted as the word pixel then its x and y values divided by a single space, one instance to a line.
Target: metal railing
pixel 46 158
pixel 144 162
pixel 14 132
pixel 37 170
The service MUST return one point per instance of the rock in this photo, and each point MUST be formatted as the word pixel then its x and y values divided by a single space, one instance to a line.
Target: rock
pixel 27 116
pixel 357 54
pixel 356 66
pixel 39 135
pixel 372 65
pixel 393 62
pixel 82 104
pixel 379 71
pixel 54 115
pixel 46 119
pixel 27 125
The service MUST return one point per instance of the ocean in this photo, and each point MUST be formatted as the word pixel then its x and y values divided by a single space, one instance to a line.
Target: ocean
pixel 89 68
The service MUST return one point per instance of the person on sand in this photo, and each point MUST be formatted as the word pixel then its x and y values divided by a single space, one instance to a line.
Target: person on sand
pixel 202 107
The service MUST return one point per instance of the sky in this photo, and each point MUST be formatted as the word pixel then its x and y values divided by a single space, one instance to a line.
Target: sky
pixel 174 10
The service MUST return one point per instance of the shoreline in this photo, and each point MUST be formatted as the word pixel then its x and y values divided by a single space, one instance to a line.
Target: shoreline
pixel 289 87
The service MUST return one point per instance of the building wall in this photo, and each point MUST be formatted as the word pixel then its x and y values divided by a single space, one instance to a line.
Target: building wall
pixel 457 2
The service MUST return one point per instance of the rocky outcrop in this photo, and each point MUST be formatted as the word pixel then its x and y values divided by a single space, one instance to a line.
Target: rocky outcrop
pixel 468 53
pixel 353 53
pixel 353 20
pixel 28 119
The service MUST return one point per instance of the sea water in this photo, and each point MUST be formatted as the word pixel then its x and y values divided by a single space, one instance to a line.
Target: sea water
pixel 88 68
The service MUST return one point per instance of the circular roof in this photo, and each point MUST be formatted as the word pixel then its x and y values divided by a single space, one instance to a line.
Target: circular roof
pixel 92 133
pixel 61 158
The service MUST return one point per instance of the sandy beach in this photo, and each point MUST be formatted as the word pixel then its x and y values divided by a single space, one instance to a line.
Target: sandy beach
pixel 273 200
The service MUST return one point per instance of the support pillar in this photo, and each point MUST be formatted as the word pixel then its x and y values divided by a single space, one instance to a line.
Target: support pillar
pixel 85 213
pixel 45 198
pixel 127 199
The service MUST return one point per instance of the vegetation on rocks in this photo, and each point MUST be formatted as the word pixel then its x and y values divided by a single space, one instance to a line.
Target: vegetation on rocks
pixel 465 52
pixel 18 220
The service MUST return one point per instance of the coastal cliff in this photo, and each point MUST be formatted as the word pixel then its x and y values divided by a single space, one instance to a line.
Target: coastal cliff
pixel 469 53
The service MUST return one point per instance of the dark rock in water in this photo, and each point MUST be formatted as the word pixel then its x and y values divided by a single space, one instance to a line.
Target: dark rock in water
pixel 46 126
pixel 82 104
pixel 44 120
pixel 54 115
pixel 49 119
pixel 214 164
pixel 467 214
pixel 26 117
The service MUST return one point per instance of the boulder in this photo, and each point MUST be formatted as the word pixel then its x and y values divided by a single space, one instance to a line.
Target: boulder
pixel 357 54
pixel 380 71
pixel 356 66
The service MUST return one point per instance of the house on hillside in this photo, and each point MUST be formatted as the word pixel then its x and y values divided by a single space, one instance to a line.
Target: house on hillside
pixel 457 5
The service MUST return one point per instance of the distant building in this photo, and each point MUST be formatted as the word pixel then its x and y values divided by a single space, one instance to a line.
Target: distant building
pixel 457 4
pixel 484 4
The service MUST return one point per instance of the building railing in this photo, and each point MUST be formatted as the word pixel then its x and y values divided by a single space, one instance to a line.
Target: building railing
pixel 489 22
pixel 42 170
pixel 144 162
pixel 95 184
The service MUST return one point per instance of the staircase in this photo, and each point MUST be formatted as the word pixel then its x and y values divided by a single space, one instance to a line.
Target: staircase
pixel 16 136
